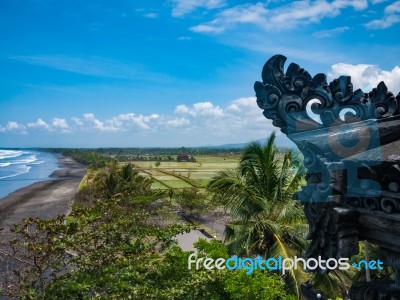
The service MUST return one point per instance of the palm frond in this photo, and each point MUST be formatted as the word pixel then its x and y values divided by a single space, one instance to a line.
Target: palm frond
pixel 295 276
pixel 258 196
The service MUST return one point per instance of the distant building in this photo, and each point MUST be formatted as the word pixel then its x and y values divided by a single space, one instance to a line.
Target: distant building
pixel 182 157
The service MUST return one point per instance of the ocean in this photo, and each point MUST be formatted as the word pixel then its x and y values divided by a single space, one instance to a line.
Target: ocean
pixel 20 168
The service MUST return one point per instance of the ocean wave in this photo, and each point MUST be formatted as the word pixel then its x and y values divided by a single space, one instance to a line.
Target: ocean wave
pixel 23 170
pixel 10 154
pixel 28 160
pixel 5 164
pixel 37 162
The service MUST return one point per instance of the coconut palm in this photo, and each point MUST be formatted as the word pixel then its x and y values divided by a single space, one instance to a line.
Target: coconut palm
pixel 127 172
pixel 110 185
pixel 258 194
pixel 334 284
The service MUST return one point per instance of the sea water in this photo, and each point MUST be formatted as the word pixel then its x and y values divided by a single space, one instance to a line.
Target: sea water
pixel 20 168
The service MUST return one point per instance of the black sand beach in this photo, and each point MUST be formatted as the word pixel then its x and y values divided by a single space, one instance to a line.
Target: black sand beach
pixel 45 199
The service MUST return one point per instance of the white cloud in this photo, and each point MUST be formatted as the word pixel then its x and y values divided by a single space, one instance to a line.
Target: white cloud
pixel 124 121
pixel 59 123
pixel 247 110
pixel 240 104
pixel 184 38
pixel 207 109
pixel 378 1
pixel 393 8
pixel 198 123
pixel 240 118
pixel 89 122
pixel 204 28
pixel 200 108
pixel 242 14
pixel 151 15
pixel 386 22
pixel 39 124
pixel 89 116
pixel 183 7
pixel 366 76
pixel 55 124
pixel 183 109
pixel 391 16
pixel 13 126
pixel 97 124
pixel 330 32
pixel 179 122
pixel 284 17
pixel 77 121
pixel 91 66
pixel 303 11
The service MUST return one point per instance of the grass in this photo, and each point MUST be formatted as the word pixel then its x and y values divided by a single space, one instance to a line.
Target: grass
pixel 83 183
pixel 177 184
pixel 180 175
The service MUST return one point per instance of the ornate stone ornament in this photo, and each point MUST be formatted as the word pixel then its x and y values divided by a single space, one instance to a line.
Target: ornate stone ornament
pixel 350 141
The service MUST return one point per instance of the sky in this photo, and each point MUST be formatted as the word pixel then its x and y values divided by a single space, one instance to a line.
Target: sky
pixel 144 73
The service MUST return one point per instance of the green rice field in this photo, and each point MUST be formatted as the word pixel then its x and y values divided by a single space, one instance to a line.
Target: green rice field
pixel 179 175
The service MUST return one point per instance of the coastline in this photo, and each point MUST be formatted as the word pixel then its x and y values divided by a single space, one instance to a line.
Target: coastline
pixel 44 199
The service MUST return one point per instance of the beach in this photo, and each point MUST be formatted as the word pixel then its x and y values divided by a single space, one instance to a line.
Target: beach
pixel 44 199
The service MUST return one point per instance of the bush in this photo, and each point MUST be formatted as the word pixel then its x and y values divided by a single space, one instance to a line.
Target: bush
pixel 192 201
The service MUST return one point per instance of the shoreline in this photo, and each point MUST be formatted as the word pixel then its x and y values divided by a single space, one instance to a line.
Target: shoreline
pixel 44 199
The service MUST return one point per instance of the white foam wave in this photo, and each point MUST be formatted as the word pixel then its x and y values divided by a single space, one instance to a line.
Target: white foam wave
pixel 5 164
pixel 37 162
pixel 10 154
pixel 21 171
pixel 28 160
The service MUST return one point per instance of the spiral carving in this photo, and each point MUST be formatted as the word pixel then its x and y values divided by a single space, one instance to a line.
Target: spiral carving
pixel 296 83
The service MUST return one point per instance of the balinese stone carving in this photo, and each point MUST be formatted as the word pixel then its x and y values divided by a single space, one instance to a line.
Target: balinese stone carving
pixel 351 146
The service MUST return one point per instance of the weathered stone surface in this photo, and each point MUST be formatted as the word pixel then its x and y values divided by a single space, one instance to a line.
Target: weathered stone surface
pixel 351 146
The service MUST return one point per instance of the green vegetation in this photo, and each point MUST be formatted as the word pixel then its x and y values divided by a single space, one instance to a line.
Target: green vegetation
pixel 265 220
pixel 91 159
pixel 192 201
pixel 118 241
pixel 179 175
pixel 258 194
pixel 146 154
pixel 114 224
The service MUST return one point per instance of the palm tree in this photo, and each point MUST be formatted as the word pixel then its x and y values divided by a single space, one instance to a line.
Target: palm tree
pixel 334 284
pixel 110 185
pixel 258 195
pixel 127 172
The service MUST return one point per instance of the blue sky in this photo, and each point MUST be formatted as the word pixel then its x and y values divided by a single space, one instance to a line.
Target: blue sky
pixel 176 72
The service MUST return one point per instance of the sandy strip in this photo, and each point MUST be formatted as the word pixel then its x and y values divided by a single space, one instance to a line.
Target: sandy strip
pixel 44 199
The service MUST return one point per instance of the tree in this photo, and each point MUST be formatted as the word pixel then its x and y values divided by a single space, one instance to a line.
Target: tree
pixel 258 195
pixel 123 181
pixel 192 201
pixel 111 185
pixel 95 251
pixel 120 245
pixel 127 172
pixel 170 195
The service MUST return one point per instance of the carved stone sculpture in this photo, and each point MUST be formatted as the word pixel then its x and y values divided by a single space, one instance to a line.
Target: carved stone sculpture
pixel 351 146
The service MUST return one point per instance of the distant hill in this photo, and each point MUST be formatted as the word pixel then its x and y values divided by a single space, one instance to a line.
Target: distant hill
pixel 228 146
pixel 281 141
